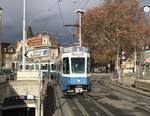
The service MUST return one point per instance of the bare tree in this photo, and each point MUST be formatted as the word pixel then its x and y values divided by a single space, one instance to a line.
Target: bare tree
pixel 116 24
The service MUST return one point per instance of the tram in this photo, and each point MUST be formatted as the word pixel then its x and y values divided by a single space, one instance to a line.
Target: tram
pixel 73 69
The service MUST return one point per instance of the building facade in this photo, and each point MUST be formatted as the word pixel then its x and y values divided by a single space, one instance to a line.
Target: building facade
pixel 35 43
pixel 7 51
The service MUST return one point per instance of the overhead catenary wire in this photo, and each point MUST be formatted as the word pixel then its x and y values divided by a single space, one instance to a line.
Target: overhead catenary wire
pixel 52 6
pixel 85 5
pixel 35 18
pixel 62 18
pixel 61 15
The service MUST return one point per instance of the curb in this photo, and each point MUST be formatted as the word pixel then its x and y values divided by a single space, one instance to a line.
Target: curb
pixel 138 91
pixel 62 104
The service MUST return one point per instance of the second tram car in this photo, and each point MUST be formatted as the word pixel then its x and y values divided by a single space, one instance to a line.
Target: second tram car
pixel 74 70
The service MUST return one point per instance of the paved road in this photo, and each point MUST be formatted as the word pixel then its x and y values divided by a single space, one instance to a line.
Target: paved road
pixel 112 100
pixel 49 102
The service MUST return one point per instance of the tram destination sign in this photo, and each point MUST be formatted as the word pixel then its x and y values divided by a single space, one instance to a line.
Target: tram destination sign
pixel 37 53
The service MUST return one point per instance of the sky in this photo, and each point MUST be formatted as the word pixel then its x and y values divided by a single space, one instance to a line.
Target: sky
pixel 43 15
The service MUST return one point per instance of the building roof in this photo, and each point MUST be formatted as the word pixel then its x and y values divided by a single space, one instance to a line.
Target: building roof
pixel 29 32
pixel 1 8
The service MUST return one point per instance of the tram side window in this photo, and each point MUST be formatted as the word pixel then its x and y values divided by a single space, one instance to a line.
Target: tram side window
pixel 88 65
pixel 66 65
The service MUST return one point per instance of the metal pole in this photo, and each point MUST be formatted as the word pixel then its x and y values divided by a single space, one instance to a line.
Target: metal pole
pixel 1 13
pixel 24 34
pixel 39 96
pixel 117 60
pixel 80 41
pixel 49 69
pixel 135 59
pixel 79 11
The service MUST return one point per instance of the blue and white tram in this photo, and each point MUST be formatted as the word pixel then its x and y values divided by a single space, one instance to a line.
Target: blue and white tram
pixel 75 73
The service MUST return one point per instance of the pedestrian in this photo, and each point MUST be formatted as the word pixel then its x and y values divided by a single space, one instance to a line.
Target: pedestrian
pixel 116 75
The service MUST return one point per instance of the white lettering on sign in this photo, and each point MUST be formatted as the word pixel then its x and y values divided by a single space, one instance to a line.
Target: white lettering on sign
pixel 41 52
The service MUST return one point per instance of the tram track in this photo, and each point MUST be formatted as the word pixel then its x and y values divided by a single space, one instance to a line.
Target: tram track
pixel 105 85
pixel 96 104
pixel 88 106
pixel 138 91
pixel 129 92
pixel 105 110
pixel 81 108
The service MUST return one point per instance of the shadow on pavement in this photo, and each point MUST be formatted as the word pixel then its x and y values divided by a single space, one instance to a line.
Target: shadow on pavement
pixel 50 104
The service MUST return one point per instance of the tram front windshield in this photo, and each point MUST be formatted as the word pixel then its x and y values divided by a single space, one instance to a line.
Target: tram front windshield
pixel 78 65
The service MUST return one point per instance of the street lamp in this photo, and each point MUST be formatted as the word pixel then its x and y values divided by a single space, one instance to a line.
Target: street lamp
pixel 1 13
pixel 80 12
pixel 146 9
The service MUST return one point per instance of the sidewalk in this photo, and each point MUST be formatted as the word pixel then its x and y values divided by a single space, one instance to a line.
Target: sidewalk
pixel 142 84
pixel 132 81
pixel 125 80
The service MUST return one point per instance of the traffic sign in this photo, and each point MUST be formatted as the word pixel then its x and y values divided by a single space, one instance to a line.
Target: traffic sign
pixel 40 52
pixel 35 41
pixel 37 53
pixel 29 54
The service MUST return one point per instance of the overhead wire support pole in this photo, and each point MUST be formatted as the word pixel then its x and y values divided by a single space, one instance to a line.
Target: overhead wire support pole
pixel 80 12
pixel 24 37
pixel 1 13
pixel 39 96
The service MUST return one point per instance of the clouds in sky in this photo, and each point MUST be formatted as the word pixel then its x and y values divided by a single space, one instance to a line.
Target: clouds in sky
pixel 42 15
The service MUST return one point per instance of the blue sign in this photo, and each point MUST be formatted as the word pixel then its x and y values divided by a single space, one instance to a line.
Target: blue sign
pixel 45 52
pixel 40 52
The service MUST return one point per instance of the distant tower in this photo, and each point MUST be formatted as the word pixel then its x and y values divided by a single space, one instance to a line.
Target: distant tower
pixel 1 13
pixel 29 32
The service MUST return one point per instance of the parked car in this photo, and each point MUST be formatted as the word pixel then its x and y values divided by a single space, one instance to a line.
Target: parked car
pixel 6 74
